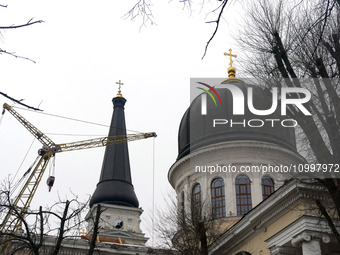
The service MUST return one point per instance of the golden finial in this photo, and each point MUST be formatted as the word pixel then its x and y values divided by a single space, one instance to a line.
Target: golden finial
pixel 231 69
pixel 119 94
pixel 83 232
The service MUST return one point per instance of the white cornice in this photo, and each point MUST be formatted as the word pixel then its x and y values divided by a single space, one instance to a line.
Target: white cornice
pixel 204 151
pixel 305 226
pixel 269 210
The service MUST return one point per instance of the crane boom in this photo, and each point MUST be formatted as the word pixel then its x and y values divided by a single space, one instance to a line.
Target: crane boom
pixel 26 194
pixel 45 140
pixel 102 141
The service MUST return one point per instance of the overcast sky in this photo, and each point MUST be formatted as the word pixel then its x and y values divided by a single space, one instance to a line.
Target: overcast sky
pixel 81 50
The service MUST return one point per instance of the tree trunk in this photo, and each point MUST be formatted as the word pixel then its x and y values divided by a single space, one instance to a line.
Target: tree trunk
pixel 62 229
pixel 95 230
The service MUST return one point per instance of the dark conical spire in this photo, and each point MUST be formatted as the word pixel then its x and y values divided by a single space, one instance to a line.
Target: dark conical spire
pixel 115 185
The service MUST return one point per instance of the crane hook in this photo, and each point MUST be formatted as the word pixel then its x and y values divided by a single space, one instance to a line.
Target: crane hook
pixel 50 182
pixel 51 178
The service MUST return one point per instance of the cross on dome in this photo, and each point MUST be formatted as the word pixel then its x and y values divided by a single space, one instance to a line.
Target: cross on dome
pixel 119 94
pixel 231 69
pixel 83 232
pixel 231 57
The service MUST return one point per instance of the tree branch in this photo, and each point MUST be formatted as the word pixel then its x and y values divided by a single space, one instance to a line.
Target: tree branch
pixel 13 54
pixel 141 8
pixel 19 102
pixel 61 229
pixel 329 219
pixel 30 22
pixel 96 228
pixel 224 3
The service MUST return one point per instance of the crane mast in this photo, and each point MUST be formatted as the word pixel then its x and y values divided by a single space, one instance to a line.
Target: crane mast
pixel 12 221
pixel 25 196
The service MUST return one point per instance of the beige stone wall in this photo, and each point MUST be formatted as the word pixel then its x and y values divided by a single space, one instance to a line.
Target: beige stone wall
pixel 258 246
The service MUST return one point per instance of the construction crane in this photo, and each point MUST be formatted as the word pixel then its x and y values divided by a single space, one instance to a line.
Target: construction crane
pixel 26 194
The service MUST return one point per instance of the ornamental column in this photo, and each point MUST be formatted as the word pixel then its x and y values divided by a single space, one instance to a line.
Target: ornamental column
pixel 310 242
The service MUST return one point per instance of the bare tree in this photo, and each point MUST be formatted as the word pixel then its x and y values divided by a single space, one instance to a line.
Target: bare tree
pixel 143 9
pixel 190 230
pixel 70 216
pixel 30 22
pixel 288 42
pixel 30 235
pixel 61 221
pixel 94 217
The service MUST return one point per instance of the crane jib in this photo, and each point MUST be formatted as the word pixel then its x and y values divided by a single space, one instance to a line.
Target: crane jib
pixel 48 151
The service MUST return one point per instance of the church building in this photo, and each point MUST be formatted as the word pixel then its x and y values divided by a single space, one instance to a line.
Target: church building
pixel 231 167
pixel 114 205
pixel 227 167
pixel 120 216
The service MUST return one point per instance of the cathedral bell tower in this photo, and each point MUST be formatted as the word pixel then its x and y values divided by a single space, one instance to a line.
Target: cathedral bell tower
pixel 120 216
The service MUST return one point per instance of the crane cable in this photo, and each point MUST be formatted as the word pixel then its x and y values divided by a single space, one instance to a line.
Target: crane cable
pixel 2 116
pixel 52 168
pixel 16 185
pixel 22 162
pixel 153 192
pixel 25 174
pixel 73 119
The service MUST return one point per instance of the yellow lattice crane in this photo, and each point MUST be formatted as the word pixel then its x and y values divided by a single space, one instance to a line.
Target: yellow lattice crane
pixel 26 194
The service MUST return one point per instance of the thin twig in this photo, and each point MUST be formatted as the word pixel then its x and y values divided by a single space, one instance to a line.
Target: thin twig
pixel 141 8
pixel 224 3
pixel 30 22
pixel 13 54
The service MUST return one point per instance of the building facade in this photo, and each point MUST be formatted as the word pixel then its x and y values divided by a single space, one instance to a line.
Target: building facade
pixel 238 172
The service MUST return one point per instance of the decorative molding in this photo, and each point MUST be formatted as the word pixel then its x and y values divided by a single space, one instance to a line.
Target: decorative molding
pixel 285 250
pixel 232 145
pixel 268 211
pixel 303 229
pixel 306 236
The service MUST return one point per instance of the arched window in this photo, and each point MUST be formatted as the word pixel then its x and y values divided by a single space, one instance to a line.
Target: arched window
pixel 218 198
pixel 243 195
pixel 267 187
pixel 196 196
pixel 243 253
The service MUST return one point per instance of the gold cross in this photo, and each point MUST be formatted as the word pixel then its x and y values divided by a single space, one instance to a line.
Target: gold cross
pixel 231 55
pixel 83 232
pixel 119 92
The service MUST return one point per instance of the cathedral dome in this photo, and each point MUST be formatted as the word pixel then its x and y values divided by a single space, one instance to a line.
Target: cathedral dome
pixel 197 130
